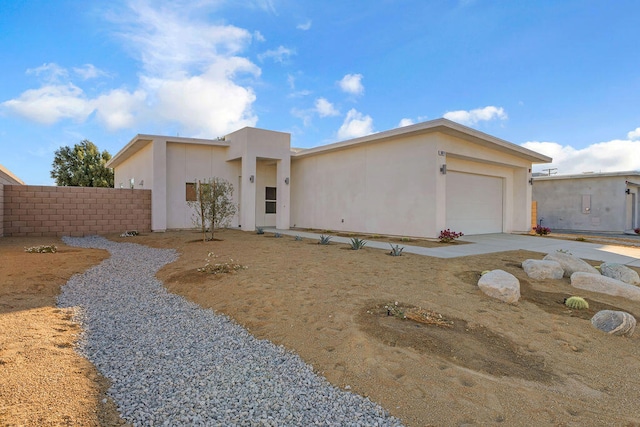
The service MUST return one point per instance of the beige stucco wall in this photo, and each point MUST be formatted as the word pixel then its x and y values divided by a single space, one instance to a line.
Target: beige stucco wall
pixel 191 163
pixel 395 186
pixel 256 148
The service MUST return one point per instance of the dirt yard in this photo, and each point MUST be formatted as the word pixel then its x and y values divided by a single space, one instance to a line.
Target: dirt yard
pixel 485 363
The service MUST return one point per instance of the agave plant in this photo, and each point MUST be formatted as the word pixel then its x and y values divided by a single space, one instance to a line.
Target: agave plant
pixel 259 230
pixel 298 238
pixel 396 250
pixel 277 235
pixel 357 243
pixel 324 240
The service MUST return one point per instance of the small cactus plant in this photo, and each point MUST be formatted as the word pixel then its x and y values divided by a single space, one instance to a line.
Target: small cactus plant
pixel 277 235
pixel 576 303
pixel 357 243
pixel 259 230
pixel 298 238
pixel 396 250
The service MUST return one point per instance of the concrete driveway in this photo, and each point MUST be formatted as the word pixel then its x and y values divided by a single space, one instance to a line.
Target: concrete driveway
pixel 490 243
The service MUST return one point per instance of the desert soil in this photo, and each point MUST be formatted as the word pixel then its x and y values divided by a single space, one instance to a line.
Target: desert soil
pixel 43 381
pixel 487 362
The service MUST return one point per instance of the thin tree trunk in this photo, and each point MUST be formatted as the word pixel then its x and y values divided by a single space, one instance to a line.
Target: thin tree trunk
pixel 202 215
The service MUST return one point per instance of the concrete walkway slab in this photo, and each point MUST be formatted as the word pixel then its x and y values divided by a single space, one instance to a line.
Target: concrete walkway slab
pixel 491 243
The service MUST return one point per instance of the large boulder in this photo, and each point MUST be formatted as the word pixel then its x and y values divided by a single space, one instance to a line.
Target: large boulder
pixel 605 285
pixel 569 263
pixel 541 269
pixel 620 272
pixel 501 285
pixel 614 322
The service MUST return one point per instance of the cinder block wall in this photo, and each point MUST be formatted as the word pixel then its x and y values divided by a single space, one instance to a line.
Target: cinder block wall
pixel 31 210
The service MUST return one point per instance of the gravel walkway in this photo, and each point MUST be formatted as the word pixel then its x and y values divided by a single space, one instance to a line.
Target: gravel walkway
pixel 174 363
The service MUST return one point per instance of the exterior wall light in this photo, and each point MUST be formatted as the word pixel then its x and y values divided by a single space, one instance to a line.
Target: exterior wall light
pixel 252 178
pixel 628 191
pixel 286 180
pixel 141 183
pixel 443 169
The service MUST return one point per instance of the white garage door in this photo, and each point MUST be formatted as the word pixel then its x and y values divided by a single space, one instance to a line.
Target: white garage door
pixel 474 203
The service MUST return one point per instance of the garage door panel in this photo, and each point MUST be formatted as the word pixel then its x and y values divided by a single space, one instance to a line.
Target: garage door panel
pixel 474 203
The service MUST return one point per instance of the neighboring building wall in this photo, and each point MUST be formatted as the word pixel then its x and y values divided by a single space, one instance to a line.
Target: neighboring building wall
pixel 1 210
pixel 598 203
pixel 396 186
pixel 74 211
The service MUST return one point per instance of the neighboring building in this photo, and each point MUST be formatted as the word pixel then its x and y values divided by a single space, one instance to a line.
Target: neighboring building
pixel 411 181
pixel 605 202
pixel 7 178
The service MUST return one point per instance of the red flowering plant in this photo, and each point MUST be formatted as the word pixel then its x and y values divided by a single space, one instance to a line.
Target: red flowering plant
pixel 448 236
pixel 637 230
pixel 541 231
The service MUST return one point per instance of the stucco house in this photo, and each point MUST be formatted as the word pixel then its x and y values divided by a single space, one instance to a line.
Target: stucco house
pixel 8 178
pixel 410 181
pixel 606 202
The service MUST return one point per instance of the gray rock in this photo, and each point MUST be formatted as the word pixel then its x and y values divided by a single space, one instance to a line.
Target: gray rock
pixel 501 285
pixel 541 269
pixel 569 263
pixel 620 272
pixel 614 322
pixel 605 285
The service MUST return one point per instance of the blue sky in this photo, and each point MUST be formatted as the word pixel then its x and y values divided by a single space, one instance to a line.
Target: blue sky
pixel 558 77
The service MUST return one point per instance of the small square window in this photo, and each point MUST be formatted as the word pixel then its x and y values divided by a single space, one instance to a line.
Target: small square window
pixel 270 207
pixel 270 193
pixel 191 192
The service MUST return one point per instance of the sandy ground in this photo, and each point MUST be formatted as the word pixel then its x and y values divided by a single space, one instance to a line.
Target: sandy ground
pixel 536 362
pixel 43 381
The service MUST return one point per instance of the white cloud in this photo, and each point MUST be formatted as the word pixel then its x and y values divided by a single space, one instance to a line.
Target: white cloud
pixel 324 108
pixel 257 36
pixel 352 83
pixel 51 103
pixel 89 71
pixel 188 75
pixel 405 122
pixel 207 104
pixel 278 55
pixel 304 26
pixel 49 73
pixel 355 124
pixel 634 134
pixel 474 116
pixel 119 109
pixel 610 156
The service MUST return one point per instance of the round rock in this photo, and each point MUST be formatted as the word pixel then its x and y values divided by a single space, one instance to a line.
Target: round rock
pixel 501 285
pixel 570 264
pixel 613 322
pixel 541 269
pixel 620 272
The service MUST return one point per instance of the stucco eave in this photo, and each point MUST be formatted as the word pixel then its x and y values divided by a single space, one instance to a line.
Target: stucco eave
pixel 439 125
pixel 9 176
pixel 141 140
pixel 625 174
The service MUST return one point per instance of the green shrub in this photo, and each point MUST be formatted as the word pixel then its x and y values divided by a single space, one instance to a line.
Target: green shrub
pixel 357 243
